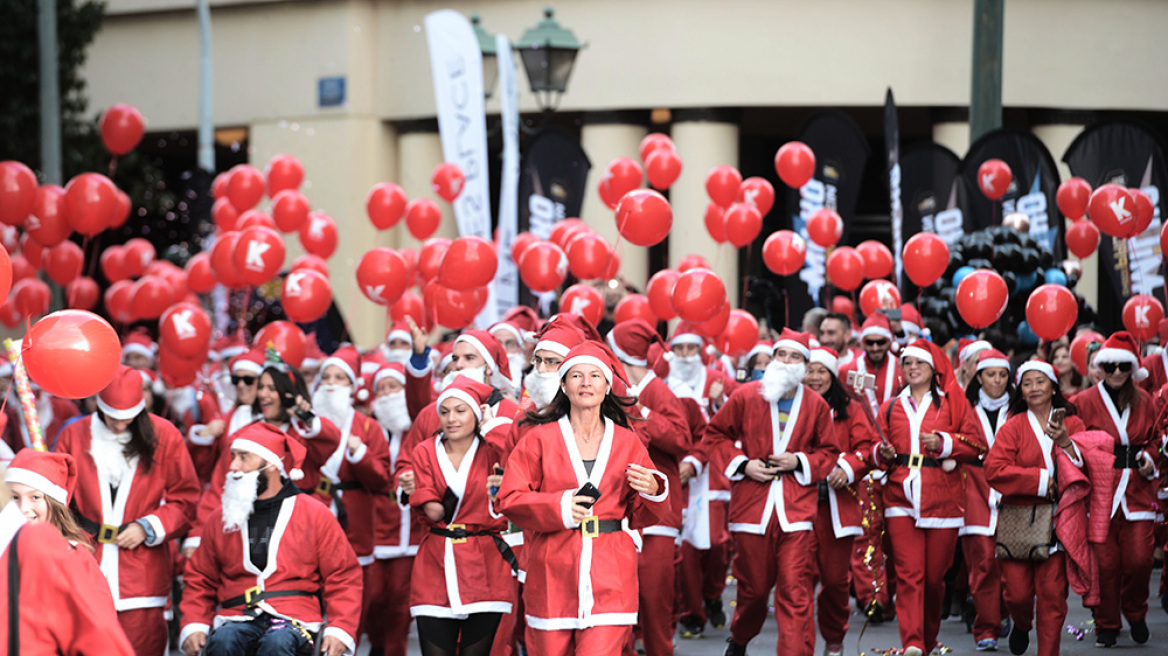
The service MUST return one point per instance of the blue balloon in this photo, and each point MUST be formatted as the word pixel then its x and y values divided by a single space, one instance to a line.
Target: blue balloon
pixel 1027 281
pixel 960 274
pixel 1055 277
pixel 1027 335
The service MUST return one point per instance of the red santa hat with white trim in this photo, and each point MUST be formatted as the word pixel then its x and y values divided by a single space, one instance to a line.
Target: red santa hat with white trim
pixel 910 321
pixel 348 360
pixel 55 474
pixel 1119 348
pixel 509 328
pixel 473 393
pixel 764 346
pixel 826 356
pixel 492 353
pixel 967 348
pixel 229 346
pixel 876 325
pixel 686 333
pixel 992 357
pixel 139 342
pixel 526 318
pixel 274 446
pixel 393 370
pixel 313 355
pixel 123 398
pixel 600 356
pixel 796 341
pixel 248 362
pixel 1044 368
pixel 399 330
pixel 630 341
pixel 558 337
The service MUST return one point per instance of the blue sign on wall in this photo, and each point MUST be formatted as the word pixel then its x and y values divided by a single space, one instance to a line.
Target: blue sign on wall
pixel 331 91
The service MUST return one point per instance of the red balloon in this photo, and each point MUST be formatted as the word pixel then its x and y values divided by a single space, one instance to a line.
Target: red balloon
pixel 825 227
pixel 122 212
pixel 31 297
pixel 994 177
pixel 1112 209
pixel 652 143
pixel 644 217
pixel 1144 211
pixel 72 353
pixel 91 201
pixel 543 267
pixel 692 262
pixel 784 252
pixel 758 192
pixel 409 305
pixel 117 301
pixel 845 268
pixel 1083 238
pixel 381 275
pixel 1141 316
pixel 122 127
pixel 288 340
pixel 422 218
pixel 663 168
pixel 290 210
pixel 219 185
pixel 520 244
pixel 795 164
pixel 5 273
pixel 431 256
pixel 254 219
pixel 284 173
pixel 152 295
pixel 926 256
pixel 47 223
pixel 1079 349
pixel 453 309
pixel 307 295
pixel 225 215
pixel 698 295
pixel 743 223
pixel 634 306
pixel 469 263
pixel 318 235
pixel 113 264
pixel 622 176
pixel 1072 197
pixel 63 262
pixel 311 262
pixel 9 315
pixel 589 256
pixel 982 297
pixel 740 335
pixel 447 181
pixel 223 261
pixel 877 259
pixel 879 295
pixel 563 232
pixel 245 187
pixel 139 253
pixel 185 330
pixel 660 293
pixel 723 184
pixel 177 371
pixel 82 293
pixel 33 251
pixel 1051 311
pixel 714 327
pixel 716 222
pixel 386 205
pixel 843 305
pixel 18 192
pixel 200 276
pixel 258 255
pixel 584 300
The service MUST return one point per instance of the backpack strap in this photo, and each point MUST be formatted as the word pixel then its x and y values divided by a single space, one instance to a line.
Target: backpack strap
pixel 14 595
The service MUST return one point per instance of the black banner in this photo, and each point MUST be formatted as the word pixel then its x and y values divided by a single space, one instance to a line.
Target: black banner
pixel 552 181
pixel 1032 190
pixel 1128 154
pixel 841 153
pixel 928 188
pixel 895 202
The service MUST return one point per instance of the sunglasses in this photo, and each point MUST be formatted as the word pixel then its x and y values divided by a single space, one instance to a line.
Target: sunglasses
pixel 246 380
pixel 875 342
pixel 1110 367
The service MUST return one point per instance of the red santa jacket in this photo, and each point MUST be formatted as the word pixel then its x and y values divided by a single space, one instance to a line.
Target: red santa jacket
pixel 454 577
pixel 543 474
pixel 165 496
pixel 1022 460
pixel 1157 366
pixel 397 532
pixel 204 450
pixel 308 551
pixel 981 501
pixel 363 476
pixel 16 430
pixel 665 432
pixel 935 498
pixel 705 523
pixel 889 378
pixel 1135 428
pixel 426 426
pixel 419 387
pixel 747 428
pixel 856 436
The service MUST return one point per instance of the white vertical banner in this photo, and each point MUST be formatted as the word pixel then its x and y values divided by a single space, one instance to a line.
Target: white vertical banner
pixel 507 279
pixel 457 66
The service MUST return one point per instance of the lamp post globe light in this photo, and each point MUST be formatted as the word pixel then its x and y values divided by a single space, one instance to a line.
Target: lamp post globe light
pixel 549 52
pixel 490 55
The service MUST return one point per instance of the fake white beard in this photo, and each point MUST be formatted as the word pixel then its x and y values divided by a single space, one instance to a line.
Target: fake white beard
pixel 687 368
pixel 239 494
pixel 780 379
pixel 542 388
pixel 517 364
pixel 391 413
pixel 477 374
pixel 400 356
pixel 109 453
pixel 333 402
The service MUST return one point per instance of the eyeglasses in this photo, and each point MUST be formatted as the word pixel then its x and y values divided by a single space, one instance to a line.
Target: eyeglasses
pixel 1110 367
pixel 538 362
pixel 875 342
pixel 246 380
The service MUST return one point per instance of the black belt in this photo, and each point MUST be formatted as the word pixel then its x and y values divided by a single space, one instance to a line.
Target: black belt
pixel 974 463
pixel 458 534
pixel 1127 457
pixel 824 495
pixel 916 461
pixel 253 596
pixel 105 533
pixel 327 487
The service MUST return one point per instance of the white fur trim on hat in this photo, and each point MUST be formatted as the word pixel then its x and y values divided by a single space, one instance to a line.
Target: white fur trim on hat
pixel 354 379
pixel 460 394
pixel 973 349
pixel 993 362
pixel 918 353
pixel 398 333
pixel 389 373
pixel 232 351
pixel 910 327
pixel 824 358
pixel 686 338
pixel 140 349
pixel 37 481
pixel 120 415
pixel 758 349
pixel 1118 355
pixel 1036 365
pixel 876 331
pixel 621 355
pixel 586 359
pixel 269 456
pixel 481 348
pixel 511 328
pixel 794 346
pixel 555 347
pixel 247 366
pixel 310 361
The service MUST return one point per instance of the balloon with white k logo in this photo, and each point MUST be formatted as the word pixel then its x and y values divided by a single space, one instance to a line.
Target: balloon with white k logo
pixel 1113 210
pixel 185 329
pixel 258 255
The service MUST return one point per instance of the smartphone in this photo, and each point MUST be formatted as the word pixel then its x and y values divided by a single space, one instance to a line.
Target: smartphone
pixel 589 490
pixel 495 488
pixel 1057 416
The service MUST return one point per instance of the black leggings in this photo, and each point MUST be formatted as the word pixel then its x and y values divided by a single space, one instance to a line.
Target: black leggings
pixel 473 636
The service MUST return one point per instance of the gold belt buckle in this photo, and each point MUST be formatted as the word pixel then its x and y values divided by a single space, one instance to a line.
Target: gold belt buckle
pixel 456 527
pixel 915 460
pixel 590 527
pixel 108 534
pixel 325 487
pixel 250 594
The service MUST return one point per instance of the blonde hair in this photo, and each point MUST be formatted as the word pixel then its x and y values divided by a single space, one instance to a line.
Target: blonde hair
pixel 59 516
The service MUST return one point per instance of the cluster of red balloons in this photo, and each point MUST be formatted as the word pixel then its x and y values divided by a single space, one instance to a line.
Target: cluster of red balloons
pixel 662 163
pixel 736 206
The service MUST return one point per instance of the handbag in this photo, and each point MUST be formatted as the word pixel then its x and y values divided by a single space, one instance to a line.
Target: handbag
pixel 1025 532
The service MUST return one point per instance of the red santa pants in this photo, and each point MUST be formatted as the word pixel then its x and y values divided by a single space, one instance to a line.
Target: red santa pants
pixel 655 574
pixel 985 584
pixel 702 577
pixel 864 575
pixel 761 562
pixel 386 616
pixel 596 641
pixel 1024 583
pixel 1124 572
pixel 833 572
pixel 922 557
pixel 146 629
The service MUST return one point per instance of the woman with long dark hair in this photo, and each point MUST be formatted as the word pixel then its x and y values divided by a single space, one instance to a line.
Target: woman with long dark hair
pixel 571 483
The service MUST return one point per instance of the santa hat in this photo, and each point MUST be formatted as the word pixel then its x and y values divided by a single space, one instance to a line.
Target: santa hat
pixel 509 328
pixel 313 356
pixel 473 393
pixel 579 323
pixel 827 357
pixel 1122 347
pixel 348 360
pixel 765 346
pixel 630 341
pixel 139 342
pixel 992 357
pixel 489 349
pixel 123 398
pixel 229 346
pixel 796 341
pixel 393 370
pixel 248 362
pixel 967 348
pixel 921 351
pixel 686 333
pixel 399 330
pixel 1164 333
pixel 55 474
pixel 559 338
pixel 443 353
pixel 523 317
pixel 598 355
pixel 372 362
pixel 1036 365
pixel 876 325
pixel 910 320
pixel 274 446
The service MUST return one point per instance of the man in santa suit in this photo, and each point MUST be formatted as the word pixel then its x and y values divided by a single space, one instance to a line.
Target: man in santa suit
pixel 398 343
pixel 876 338
pixel 835 332
pixel 775 440
pixel 136 488
pixel 205 440
pixel 1157 363
pixel 138 350
pixel 271 559
pixel 515 344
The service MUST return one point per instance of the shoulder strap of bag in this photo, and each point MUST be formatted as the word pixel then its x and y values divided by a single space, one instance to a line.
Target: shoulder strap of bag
pixel 14 596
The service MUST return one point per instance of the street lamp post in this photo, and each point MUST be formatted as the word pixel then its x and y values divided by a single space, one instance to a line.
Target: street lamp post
pixel 490 56
pixel 548 51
